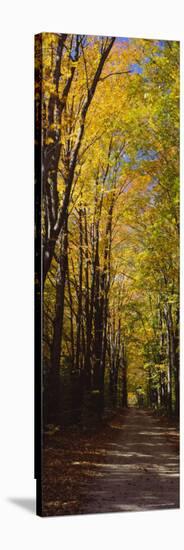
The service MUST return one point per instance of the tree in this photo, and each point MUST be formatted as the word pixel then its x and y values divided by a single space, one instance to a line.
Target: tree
pixel 110 220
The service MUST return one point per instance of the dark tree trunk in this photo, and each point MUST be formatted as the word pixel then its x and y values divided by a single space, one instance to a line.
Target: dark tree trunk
pixel 170 336
pixel 71 319
pixel 97 319
pixel 87 307
pixel 105 285
pixel 124 378
pixel 177 365
pixel 60 291
pixel 79 313
pixel 54 379
pixel 162 381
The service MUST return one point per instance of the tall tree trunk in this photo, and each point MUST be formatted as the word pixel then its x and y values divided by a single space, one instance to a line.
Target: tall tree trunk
pixel 79 313
pixel 87 306
pixel 124 377
pixel 60 291
pixel 51 155
pixel 97 319
pixel 54 380
pixel 104 291
pixel 71 318
pixel 163 387
pixel 170 336
pixel 177 365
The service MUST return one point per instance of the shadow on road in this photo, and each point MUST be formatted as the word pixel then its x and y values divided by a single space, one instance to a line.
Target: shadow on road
pixel 132 465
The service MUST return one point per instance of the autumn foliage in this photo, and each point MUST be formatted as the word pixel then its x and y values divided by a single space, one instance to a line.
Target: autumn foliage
pixel 109 112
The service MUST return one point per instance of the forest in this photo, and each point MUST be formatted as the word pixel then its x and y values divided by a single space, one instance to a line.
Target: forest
pixel 109 225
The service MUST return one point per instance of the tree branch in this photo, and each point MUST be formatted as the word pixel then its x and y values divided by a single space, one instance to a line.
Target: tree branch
pixel 114 74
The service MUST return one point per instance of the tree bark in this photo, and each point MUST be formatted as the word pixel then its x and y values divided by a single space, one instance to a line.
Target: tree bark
pixel 57 222
pixel 177 365
pixel 87 306
pixel 124 379
pixel 170 337
pixel 60 291
pixel 79 313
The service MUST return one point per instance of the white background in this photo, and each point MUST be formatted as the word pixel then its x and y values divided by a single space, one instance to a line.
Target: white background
pixel 19 526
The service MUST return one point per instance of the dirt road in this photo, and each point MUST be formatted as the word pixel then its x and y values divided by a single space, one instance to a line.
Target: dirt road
pixel 132 464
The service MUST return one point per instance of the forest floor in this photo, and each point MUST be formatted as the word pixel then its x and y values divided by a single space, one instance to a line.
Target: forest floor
pixel 129 464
